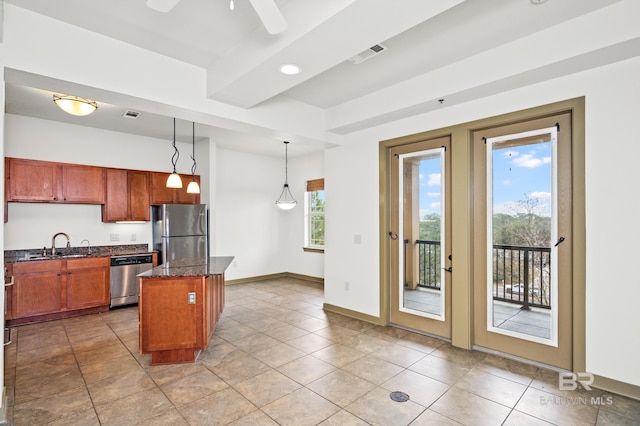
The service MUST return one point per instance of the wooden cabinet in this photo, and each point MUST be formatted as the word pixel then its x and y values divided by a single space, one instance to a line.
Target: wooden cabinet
pixel 37 288
pixel 43 181
pixel 87 282
pixel 48 289
pixel 127 195
pixel 160 194
pixel 181 336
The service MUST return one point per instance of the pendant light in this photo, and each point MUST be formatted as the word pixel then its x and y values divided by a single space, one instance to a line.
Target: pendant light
pixel 286 200
pixel 193 187
pixel 174 180
pixel 75 105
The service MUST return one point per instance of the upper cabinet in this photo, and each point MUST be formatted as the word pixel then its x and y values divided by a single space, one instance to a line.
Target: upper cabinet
pixel 160 194
pixel 43 181
pixel 127 196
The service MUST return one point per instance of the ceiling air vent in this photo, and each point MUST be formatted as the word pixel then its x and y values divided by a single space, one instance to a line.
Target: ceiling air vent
pixel 369 53
pixel 131 114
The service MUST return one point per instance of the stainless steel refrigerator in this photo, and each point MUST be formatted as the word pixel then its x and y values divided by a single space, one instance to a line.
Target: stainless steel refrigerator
pixel 180 230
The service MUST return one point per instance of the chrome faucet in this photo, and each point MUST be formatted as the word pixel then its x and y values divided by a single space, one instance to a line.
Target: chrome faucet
pixel 89 244
pixel 53 242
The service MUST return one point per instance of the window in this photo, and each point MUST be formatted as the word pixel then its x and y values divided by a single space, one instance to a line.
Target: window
pixel 314 214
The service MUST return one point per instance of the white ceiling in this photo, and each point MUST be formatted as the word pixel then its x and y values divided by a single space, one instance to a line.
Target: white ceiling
pixel 242 59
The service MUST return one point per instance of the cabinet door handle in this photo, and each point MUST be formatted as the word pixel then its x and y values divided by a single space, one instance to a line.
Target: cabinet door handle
pixel 11 281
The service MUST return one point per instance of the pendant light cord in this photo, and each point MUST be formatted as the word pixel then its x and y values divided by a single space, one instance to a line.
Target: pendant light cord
pixel 193 145
pixel 176 153
pixel 286 163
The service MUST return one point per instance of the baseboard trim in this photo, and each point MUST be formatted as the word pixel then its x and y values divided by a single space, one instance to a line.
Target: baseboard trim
pixel 279 275
pixel 352 314
pixel 616 387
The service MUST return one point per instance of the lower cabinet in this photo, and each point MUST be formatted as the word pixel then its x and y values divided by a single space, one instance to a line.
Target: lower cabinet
pixel 178 316
pixel 50 289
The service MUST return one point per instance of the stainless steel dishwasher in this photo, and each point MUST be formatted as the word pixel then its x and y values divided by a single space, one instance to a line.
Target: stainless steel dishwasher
pixel 124 283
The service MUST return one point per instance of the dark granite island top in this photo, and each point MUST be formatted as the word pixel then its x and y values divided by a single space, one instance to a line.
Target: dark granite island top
pixel 180 304
pixel 190 267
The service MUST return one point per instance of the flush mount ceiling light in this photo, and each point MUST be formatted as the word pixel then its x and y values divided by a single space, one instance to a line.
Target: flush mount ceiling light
pixel 75 105
pixel 193 187
pixel 290 69
pixel 174 180
pixel 286 200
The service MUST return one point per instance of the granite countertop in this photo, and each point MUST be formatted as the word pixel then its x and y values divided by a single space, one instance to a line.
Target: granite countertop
pixel 30 255
pixel 190 267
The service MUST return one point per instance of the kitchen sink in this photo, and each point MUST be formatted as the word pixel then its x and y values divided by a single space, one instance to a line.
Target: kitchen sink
pixel 64 256
pixel 71 256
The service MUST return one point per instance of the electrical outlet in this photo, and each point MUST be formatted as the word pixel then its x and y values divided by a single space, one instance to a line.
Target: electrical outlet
pixel 346 286
pixel 133 237
pixel 357 239
pixel 115 237
pixel 191 298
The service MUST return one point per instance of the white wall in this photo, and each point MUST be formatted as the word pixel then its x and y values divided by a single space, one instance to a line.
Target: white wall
pixel 612 151
pixel 264 239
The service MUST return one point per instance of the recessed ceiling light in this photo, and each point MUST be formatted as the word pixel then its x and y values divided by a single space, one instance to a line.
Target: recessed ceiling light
pixel 290 69
pixel 538 1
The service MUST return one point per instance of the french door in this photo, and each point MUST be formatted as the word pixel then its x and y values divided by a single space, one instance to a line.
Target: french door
pixel 522 248
pixel 420 235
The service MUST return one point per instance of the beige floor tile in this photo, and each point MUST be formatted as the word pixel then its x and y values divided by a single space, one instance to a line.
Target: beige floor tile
pixel 431 418
pixel 255 418
pixel 608 418
pixel 306 369
pixel 300 408
pixel 217 353
pixel 470 409
pixel 239 366
pixel 344 418
pixel 278 355
pixel 162 374
pixel 372 369
pixel 494 388
pixel 557 409
pixel 264 324
pixel 170 417
pixel 309 343
pixel 312 324
pixel 377 408
pixel 509 369
pixel 365 343
pixel 108 368
pixel 30 386
pixel 133 408
pixel 516 418
pixel 421 389
pixel 468 359
pixel 341 387
pixel 237 332
pixel 399 355
pixel 219 408
pixel 439 369
pixel 391 334
pixel 419 342
pixel 117 387
pixel 266 388
pixel 256 342
pixel 336 333
pixel 54 407
pixel 190 388
pixel 286 332
pixel 338 355
pixel 548 381
pixel 622 406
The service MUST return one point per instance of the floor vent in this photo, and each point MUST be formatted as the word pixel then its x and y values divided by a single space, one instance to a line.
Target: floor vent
pixel 369 53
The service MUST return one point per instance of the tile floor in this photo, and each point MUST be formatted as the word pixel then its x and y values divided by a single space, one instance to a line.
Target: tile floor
pixel 278 358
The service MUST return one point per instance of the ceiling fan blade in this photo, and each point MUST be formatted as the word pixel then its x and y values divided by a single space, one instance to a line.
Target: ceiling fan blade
pixel 270 15
pixel 162 5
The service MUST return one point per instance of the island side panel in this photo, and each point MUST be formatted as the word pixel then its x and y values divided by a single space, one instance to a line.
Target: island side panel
pixel 167 321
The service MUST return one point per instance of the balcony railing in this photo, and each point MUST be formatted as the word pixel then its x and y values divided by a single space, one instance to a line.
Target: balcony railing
pixel 521 275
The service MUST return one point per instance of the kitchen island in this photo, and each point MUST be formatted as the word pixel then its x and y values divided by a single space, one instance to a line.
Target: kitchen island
pixel 180 304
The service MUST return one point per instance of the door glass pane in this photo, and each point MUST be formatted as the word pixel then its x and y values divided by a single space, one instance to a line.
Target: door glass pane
pixel 522 225
pixel 422 227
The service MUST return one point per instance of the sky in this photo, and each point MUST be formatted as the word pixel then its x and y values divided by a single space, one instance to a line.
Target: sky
pixel 519 173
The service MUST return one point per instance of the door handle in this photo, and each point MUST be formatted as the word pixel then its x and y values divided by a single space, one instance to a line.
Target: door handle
pixel 449 269
pixel 560 241
pixel 393 235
